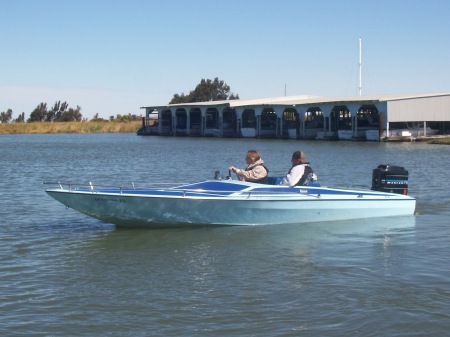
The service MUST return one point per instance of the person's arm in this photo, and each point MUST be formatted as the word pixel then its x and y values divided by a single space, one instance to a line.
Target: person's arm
pixel 236 170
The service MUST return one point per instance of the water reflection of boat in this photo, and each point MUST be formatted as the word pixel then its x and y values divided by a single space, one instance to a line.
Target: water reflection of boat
pixel 228 202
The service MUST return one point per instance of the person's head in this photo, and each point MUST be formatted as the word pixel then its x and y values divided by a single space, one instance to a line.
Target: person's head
pixel 252 157
pixel 299 157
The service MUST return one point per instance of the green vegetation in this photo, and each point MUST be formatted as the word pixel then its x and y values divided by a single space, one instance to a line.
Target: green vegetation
pixel 205 91
pixel 70 127
pixel 60 112
pixel 5 117
pixel 442 141
pixel 62 119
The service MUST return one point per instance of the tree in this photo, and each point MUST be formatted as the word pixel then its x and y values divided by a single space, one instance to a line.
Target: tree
pixel 125 118
pixel 5 117
pixel 55 113
pixel 39 113
pixel 58 113
pixel 21 118
pixel 71 115
pixel 179 99
pixel 205 91
pixel 96 118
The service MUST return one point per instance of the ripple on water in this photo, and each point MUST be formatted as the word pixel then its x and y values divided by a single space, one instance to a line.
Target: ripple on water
pixel 66 274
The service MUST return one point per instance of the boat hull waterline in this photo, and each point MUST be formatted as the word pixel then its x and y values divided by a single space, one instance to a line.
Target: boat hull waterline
pixel 229 202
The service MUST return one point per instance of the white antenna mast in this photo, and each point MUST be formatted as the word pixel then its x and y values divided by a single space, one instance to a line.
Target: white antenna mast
pixel 360 68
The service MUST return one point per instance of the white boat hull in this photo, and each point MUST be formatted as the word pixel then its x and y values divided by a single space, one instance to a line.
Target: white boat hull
pixel 184 207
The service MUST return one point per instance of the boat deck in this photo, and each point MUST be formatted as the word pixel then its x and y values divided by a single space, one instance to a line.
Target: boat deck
pixel 224 188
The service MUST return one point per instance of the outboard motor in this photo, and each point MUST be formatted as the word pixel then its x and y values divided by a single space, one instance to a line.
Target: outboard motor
pixel 392 179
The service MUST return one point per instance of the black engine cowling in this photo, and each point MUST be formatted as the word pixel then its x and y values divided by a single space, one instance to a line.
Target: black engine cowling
pixel 389 178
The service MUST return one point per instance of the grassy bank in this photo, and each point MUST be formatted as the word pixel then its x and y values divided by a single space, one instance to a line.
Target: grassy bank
pixel 443 140
pixel 69 127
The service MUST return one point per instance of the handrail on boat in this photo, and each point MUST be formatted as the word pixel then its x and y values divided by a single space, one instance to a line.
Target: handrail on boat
pixel 93 186
pixel 175 188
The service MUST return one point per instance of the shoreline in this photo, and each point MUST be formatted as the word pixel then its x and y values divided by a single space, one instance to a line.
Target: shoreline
pixel 69 127
pixel 441 141
pixel 105 127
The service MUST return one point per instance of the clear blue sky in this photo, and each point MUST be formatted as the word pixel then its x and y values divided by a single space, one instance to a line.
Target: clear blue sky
pixel 112 57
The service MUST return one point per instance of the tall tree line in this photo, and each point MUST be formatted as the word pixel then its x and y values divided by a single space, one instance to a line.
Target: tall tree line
pixel 59 112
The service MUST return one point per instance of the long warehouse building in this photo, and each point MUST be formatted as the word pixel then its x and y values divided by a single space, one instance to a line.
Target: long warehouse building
pixel 374 118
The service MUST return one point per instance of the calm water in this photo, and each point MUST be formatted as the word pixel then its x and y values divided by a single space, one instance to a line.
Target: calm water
pixel 64 274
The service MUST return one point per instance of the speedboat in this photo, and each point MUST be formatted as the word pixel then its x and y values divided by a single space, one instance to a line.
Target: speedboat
pixel 230 202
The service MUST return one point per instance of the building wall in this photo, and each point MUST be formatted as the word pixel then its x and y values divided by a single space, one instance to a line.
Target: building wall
pixel 429 109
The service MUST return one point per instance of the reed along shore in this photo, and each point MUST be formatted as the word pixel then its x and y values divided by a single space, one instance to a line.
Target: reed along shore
pixel 70 127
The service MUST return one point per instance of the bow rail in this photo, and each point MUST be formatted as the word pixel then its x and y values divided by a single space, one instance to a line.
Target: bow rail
pixel 184 189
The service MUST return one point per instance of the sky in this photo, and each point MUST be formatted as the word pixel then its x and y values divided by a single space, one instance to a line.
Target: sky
pixel 114 57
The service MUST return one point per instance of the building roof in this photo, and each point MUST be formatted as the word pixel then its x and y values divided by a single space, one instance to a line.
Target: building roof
pixel 301 99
